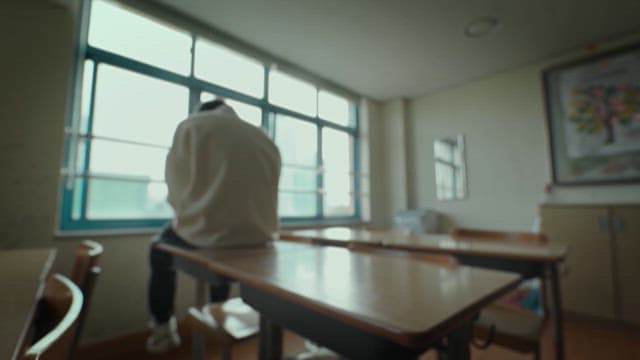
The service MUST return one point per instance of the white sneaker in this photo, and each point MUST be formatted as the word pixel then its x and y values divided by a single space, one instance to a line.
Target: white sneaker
pixel 164 337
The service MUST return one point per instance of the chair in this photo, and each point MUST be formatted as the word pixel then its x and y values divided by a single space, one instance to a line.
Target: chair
pixel 87 255
pixel 84 273
pixel 526 238
pixel 57 318
pixel 516 329
pixel 224 324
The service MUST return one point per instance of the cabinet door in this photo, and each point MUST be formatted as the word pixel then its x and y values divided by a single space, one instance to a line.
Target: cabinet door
pixel 627 235
pixel 588 286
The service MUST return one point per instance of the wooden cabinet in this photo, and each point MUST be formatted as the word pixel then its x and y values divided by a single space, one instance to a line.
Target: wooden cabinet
pixel 626 226
pixel 588 286
pixel 604 260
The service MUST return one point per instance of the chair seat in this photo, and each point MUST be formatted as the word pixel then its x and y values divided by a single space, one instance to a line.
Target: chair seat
pixel 514 328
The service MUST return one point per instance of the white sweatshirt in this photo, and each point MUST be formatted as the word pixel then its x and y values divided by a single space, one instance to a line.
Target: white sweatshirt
pixel 222 175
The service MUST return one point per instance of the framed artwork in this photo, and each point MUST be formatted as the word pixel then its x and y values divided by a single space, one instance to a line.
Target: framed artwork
pixel 593 118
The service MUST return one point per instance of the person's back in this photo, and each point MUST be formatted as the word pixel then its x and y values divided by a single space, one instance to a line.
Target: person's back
pixel 223 176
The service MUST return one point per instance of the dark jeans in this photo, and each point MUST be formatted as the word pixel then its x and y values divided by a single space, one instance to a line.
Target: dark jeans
pixel 162 282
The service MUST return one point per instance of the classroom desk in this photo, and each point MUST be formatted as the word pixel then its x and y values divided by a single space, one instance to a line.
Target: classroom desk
pixel 362 306
pixel 527 260
pixel 22 275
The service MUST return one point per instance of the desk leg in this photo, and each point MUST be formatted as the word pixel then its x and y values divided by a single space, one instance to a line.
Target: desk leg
pixel 198 348
pixel 556 312
pixel 457 347
pixel 270 341
pixel 544 293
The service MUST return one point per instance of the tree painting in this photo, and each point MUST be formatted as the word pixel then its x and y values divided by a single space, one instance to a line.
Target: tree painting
pixel 597 108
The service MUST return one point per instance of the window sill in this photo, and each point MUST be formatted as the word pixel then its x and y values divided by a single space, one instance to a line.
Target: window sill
pixel 105 232
pixel 153 230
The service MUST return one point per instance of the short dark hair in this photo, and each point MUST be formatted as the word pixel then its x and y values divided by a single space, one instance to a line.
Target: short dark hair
pixel 210 105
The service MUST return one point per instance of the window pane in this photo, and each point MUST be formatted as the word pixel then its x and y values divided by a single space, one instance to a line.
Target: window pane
pixel 81 151
pixel 460 182
pixel 77 199
pixel 298 179
pixel 131 161
pixel 365 209
pixel 443 151
pixel 291 93
pixel 249 113
pixel 337 151
pixel 122 199
pixel 338 194
pixel 333 108
pixel 135 107
pixel 225 67
pixel 297 141
pixel 337 157
pixel 365 185
pixel 126 33
pixel 444 181
pixel 297 204
pixel 87 78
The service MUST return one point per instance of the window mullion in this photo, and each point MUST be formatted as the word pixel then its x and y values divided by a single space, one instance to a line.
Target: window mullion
pixel 264 107
pixel 357 166
pixel 454 179
pixel 193 56
pixel 87 148
pixel 320 176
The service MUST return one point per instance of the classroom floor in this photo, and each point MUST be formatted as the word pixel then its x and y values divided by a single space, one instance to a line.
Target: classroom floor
pixel 584 341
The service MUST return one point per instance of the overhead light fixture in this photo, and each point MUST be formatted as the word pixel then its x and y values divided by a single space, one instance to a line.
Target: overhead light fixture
pixel 481 26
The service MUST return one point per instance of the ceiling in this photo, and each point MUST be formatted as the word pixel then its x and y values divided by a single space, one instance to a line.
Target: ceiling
pixel 405 48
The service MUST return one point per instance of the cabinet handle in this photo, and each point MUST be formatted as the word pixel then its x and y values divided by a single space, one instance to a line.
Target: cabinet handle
pixel 618 223
pixel 603 224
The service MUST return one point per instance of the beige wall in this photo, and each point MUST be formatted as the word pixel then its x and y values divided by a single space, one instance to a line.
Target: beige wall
pixel 389 156
pixel 36 54
pixel 37 37
pixel 503 120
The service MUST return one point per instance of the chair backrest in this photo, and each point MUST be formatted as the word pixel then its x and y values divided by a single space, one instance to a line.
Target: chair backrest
pixel 527 238
pixel 89 284
pixel 60 306
pixel 85 273
pixel 440 259
pixel 87 255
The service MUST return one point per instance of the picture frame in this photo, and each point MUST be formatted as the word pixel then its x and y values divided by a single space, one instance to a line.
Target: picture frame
pixel 593 118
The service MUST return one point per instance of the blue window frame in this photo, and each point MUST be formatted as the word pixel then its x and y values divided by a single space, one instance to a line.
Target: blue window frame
pixel 127 102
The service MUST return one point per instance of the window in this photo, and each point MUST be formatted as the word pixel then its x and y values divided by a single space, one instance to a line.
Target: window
pixel 450 168
pixel 139 38
pixel 291 93
pixel 249 113
pixel 334 108
pixel 139 79
pixel 337 156
pixel 227 68
pixel 297 141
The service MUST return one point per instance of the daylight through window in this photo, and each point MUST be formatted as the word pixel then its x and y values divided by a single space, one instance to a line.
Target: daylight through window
pixel 139 79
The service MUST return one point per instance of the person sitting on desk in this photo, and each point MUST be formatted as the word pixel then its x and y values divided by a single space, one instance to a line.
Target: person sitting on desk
pixel 222 174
